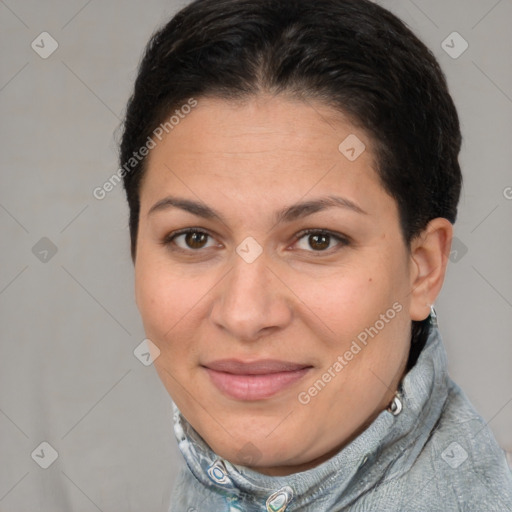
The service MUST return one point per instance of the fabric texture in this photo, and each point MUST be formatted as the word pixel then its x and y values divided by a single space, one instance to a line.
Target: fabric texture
pixel 437 454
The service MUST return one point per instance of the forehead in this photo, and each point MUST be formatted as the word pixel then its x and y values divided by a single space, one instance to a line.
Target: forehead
pixel 262 146
pixel 263 123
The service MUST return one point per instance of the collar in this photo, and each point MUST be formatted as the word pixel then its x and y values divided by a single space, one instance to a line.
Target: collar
pixel 386 449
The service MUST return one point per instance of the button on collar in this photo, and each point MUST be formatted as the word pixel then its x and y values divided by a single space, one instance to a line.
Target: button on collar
pixel 278 501
pixel 396 405
pixel 218 474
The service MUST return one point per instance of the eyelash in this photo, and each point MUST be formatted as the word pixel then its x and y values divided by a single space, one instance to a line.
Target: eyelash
pixel 343 241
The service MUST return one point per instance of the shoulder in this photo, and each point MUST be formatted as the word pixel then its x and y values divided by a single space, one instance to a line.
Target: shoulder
pixel 461 464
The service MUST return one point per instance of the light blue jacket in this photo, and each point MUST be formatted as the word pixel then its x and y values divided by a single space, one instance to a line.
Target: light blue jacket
pixel 437 454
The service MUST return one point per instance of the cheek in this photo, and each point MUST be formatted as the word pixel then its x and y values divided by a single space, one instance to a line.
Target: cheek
pixel 345 303
pixel 171 304
pixel 160 294
pixel 368 314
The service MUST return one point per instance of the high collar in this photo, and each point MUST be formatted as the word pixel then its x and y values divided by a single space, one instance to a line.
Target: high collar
pixel 387 447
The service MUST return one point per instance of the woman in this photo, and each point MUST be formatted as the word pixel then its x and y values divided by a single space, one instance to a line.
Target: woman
pixel 291 169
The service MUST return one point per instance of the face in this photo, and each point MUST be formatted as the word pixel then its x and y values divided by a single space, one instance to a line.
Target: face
pixel 293 263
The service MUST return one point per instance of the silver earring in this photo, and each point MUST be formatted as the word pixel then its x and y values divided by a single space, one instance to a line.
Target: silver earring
pixel 433 317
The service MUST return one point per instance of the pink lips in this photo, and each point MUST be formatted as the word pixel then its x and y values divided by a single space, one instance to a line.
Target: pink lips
pixel 256 380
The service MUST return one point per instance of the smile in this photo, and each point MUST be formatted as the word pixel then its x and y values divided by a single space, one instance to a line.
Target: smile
pixel 254 381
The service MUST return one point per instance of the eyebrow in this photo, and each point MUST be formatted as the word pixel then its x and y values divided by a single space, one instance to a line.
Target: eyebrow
pixel 287 214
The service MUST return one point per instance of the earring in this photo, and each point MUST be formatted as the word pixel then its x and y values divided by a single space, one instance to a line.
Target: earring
pixel 433 317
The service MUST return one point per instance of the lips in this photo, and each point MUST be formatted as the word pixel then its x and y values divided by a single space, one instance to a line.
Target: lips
pixel 256 380
pixel 261 367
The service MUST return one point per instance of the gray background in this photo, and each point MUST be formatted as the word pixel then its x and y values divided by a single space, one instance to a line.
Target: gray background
pixel 69 324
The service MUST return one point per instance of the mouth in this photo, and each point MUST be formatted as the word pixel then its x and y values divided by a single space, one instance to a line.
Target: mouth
pixel 255 380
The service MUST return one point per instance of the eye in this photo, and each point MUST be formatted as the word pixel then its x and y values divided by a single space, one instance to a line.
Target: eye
pixel 312 240
pixel 190 239
pixel 320 240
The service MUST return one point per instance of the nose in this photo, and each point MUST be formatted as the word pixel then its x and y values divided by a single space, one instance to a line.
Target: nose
pixel 251 301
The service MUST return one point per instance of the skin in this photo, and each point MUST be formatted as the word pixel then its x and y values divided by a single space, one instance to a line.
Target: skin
pixel 295 302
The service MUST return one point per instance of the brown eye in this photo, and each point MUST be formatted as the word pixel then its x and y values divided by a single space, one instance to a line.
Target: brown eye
pixel 196 239
pixel 319 242
pixel 189 240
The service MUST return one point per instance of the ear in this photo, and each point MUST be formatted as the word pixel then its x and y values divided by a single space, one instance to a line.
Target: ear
pixel 429 258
